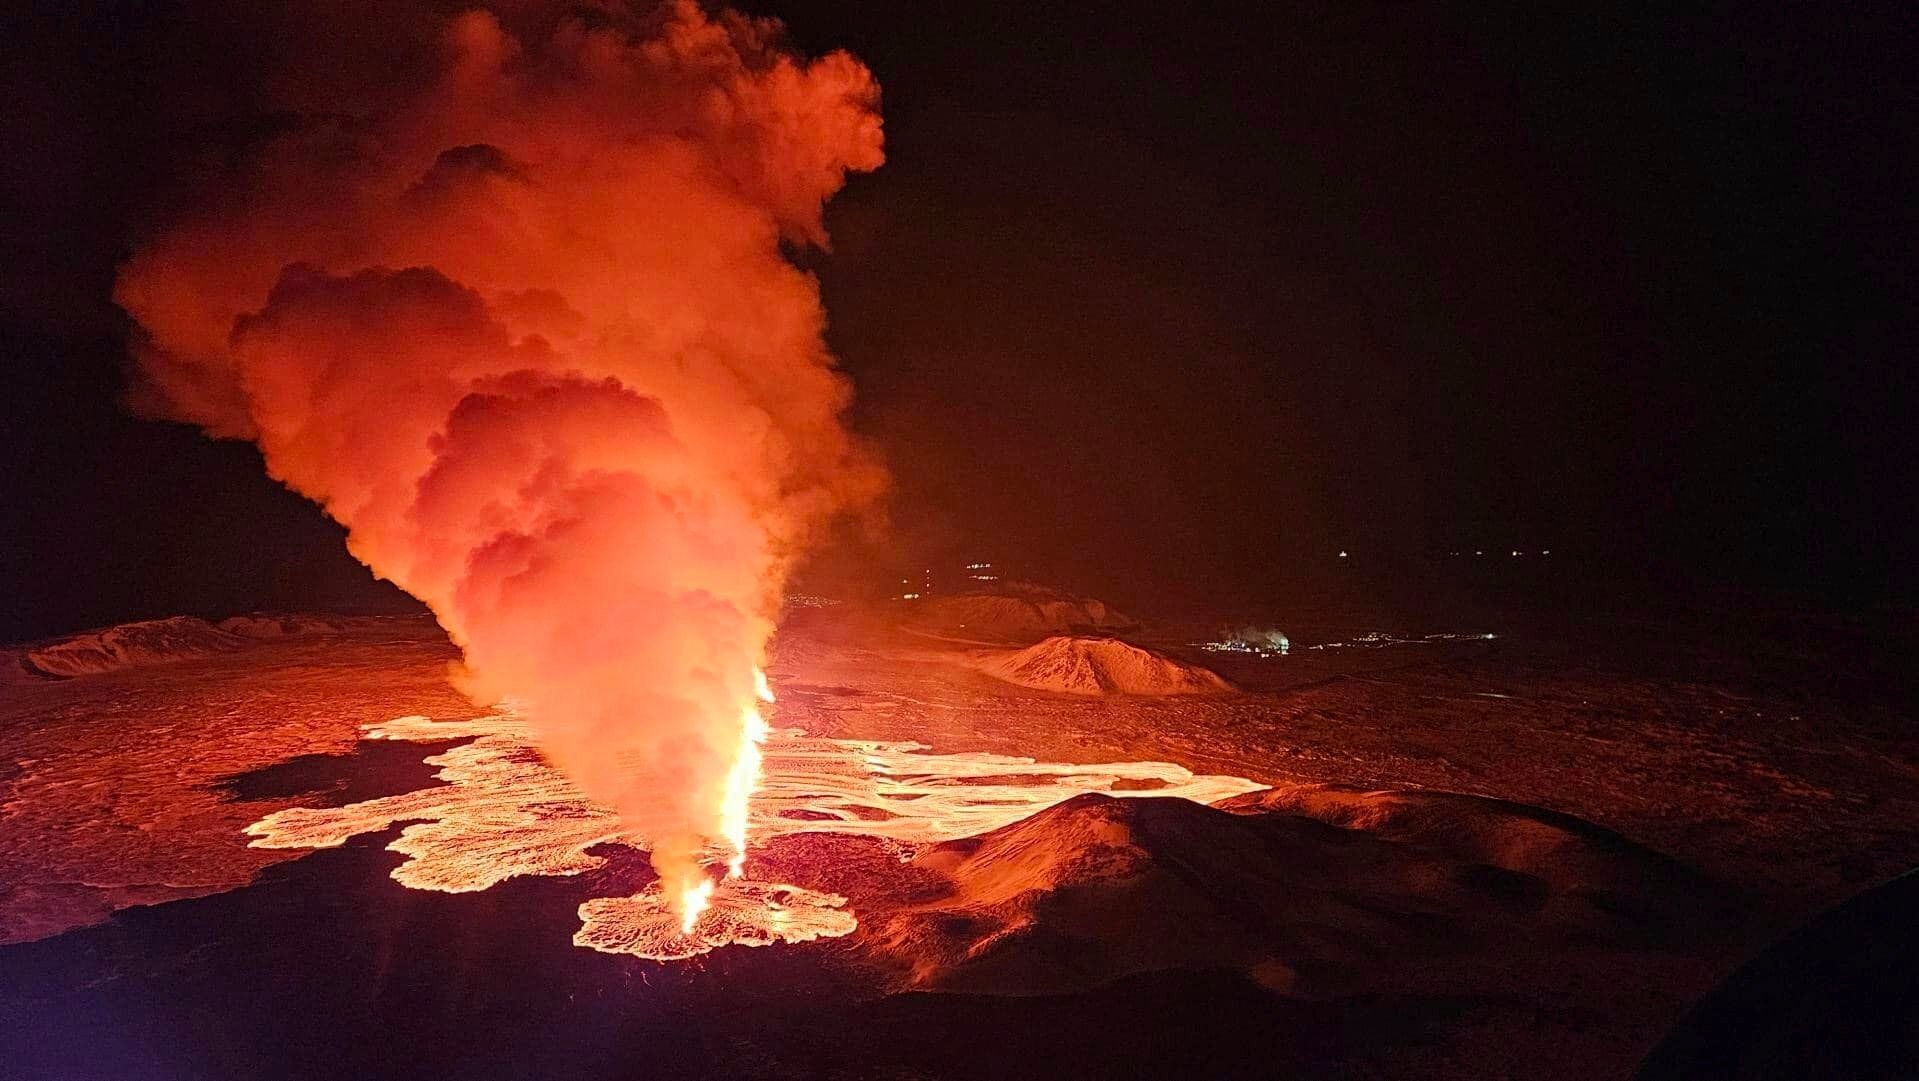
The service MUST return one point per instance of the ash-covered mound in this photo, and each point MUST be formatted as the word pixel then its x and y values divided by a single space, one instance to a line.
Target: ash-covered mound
pixel 129 645
pixel 1097 888
pixel 1098 665
pixel 160 641
pixel 1584 863
pixel 287 624
pixel 1011 615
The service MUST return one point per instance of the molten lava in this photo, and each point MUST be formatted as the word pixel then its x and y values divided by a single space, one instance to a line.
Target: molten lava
pixel 504 812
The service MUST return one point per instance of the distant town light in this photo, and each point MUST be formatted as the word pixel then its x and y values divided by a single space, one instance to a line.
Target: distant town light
pixel 1257 643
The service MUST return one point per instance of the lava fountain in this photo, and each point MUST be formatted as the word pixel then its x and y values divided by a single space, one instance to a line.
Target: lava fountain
pixel 735 810
pixel 505 294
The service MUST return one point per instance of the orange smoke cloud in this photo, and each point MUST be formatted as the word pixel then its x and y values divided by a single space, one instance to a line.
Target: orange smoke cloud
pixel 527 332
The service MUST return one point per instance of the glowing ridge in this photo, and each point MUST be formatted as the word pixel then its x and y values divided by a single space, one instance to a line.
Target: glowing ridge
pixel 503 812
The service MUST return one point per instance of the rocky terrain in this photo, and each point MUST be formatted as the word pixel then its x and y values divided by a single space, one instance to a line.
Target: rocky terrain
pixel 1463 857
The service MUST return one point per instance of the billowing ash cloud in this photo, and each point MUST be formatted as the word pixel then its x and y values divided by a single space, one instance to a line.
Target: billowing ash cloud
pixel 526 330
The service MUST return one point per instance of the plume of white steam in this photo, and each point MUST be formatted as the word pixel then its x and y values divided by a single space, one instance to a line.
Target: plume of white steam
pixel 524 327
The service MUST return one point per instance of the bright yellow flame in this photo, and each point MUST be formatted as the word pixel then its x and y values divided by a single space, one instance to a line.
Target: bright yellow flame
pixel 745 776
pixel 693 901
pixel 735 810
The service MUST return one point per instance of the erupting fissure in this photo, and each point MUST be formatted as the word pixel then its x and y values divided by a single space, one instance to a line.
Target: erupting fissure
pixel 522 322
pixel 899 793
pixel 735 812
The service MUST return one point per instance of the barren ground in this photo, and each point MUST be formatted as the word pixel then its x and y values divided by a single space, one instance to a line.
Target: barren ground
pixel 1778 765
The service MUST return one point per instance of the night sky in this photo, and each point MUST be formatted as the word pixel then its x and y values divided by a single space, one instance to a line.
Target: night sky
pixel 1167 304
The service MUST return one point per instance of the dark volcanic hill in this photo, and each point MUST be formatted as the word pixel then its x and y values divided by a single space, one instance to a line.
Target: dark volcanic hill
pixel 1098 888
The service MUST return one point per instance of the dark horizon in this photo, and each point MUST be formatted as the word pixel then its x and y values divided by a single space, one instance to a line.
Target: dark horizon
pixel 1168 309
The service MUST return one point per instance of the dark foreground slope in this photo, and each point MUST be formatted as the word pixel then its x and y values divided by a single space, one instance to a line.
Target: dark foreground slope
pixel 1292 889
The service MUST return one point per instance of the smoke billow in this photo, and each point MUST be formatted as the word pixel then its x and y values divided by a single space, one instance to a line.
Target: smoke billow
pixel 520 321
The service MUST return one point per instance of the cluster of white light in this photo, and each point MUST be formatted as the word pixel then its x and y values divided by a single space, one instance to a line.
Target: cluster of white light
pixel 1369 640
pixel 1376 639
pixel 1254 641
pixel 1246 647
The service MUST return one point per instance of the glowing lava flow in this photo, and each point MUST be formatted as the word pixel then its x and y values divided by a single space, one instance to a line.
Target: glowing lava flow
pixel 503 812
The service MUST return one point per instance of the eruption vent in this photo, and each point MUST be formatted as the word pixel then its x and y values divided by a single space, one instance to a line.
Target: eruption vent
pixel 524 327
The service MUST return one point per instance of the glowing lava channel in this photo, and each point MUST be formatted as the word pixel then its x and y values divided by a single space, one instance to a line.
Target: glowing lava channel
pixel 504 812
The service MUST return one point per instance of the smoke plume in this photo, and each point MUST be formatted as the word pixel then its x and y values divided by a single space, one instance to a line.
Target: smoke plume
pixel 518 317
